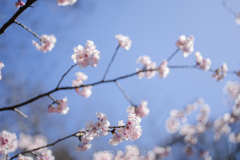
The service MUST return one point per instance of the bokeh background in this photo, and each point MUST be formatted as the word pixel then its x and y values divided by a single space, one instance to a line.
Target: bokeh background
pixel 154 27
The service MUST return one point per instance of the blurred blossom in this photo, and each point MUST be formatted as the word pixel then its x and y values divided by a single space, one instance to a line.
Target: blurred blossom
pixel 8 142
pixel 46 43
pixel 221 72
pixel 201 62
pixel 186 45
pixel 124 41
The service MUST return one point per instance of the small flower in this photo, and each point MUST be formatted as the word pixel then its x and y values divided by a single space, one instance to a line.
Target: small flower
pixel 237 19
pixel 21 157
pixel 66 2
pixel 8 142
pixel 61 107
pixel 186 45
pixel 163 69
pixel 47 155
pixel 202 63
pixel 46 43
pixel 19 4
pixel 124 41
pixel 1 66
pixel 221 72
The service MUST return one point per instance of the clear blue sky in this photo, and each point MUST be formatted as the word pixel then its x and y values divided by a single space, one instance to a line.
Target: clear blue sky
pixel 154 27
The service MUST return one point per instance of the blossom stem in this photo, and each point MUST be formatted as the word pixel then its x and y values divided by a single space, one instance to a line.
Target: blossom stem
pixel 109 65
pixel 174 53
pixel 124 92
pixel 65 75
pixel 29 30
pixel 21 113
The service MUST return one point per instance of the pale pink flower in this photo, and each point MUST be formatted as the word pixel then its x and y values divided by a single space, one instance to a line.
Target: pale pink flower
pixel 19 4
pixel 161 151
pixel 1 66
pixel 234 138
pixel 102 156
pixel 201 62
pixel 172 125
pixel 85 92
pixel 80 78
pixel 186 45
pixel 28 143
pixel 237 19
pixel 84 56
pixel 46 155
pixel 221 72
pixel 232 88
pixel 163 69
pixel 83 147
pixel 61 107
pixel 8 142
pixel 21 157
pixel 66 2
pixel 124 41
pixel 140 111
pixel 149 67
pixel 46 43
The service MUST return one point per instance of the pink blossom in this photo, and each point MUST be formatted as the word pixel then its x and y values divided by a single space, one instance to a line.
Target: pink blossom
pixel 102 156
pixel 202 63
pixel 85 92
pixel 148 65
pixel 232 88
pixel 19 4
pixel 140 111
pixel 46 155
pixel 8 142
pixel 172 125
pixel 237 19
pixel 186 45
pixel 83 147
pixel 124 41
pixel 221 72
pixel 46 44
pixel 84 56
pixel 234 138
pixel 61 107
pixel 28 143
pixel 21 157
pixel 1 66
pixel 80 78
pixel 163 69
pixel 66 2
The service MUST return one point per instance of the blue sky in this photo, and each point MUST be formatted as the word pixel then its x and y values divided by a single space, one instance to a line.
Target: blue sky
pixel 154 27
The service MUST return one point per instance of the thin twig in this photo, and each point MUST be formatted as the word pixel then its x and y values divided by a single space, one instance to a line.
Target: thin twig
pixel 228 8
pixel 92 84
pixel 65 74
pixel 52 144
pixel 21 113
pixel 172 55
pixel 29 30
pixel 14 17
pixel 54 100
pixel 109 65
pixel 35 154
pixel 124 92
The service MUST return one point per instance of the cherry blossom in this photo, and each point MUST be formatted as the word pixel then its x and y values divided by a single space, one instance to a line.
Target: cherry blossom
pixel 140 111
pixel 1 66
pixel 28 142
pixel 102 156
pixel 19 4
pixel 8 142
pixel 46 43
pixel 148 65
pixel 234 138
pixel 186 45
pixel 66 2
pixel 163 69
pixel 232 88
pixel 61 107
pixel 201 62
pixel 46 155
pixel 124 41
pixel 237 19
pixel 21 157
pixel 221 72
pixel 84 56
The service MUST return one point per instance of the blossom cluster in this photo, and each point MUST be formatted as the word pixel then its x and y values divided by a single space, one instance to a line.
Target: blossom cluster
pixel 21 157
pixel 221 124
pixel 1 66
pixel 140 111
pixel 86 91
pixel 201 62
pixel 132 130
pixel 46 43
pixel 28 142
pixel 221 72
pixel 66 2
pixel 61 107
pixel 8 142
pixel 84 56
pixel 19 4
pixel 150 68
pixel 186 45
pixel 46 155
pixel 91 131
pixel 133 152
pixel 124 41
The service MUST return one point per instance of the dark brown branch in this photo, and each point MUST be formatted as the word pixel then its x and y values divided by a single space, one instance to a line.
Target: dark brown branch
pixel 65 75
pixel 21 113
pixel 109 65
pixel 29 30
pixel 92 84
pixel 15 16
pixel 125 94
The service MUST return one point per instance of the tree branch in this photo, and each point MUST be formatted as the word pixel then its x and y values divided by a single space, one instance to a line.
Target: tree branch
pixel 65 75
pixel 125 94
pixel 29 30
pixel 15 16
pixel 172 55
pixel 21 113
pixel 109 65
